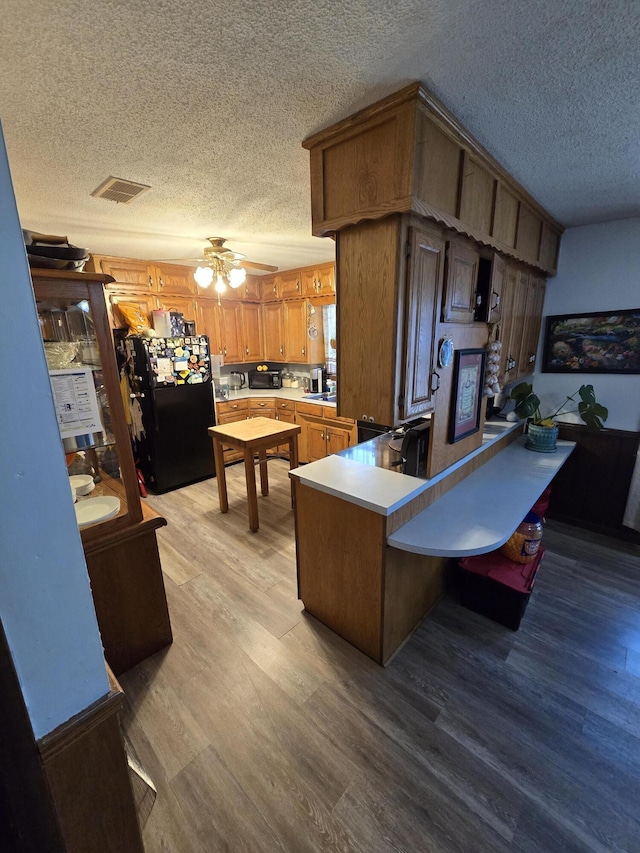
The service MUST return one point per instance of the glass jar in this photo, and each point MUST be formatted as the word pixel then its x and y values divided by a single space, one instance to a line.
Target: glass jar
pixel 286 379
pixel 523 545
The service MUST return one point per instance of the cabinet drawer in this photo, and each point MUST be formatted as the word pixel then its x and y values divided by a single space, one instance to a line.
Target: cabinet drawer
pixel 285 405
pixel 232 406
pixel 309 409
pixel 259 404
pixel 330 414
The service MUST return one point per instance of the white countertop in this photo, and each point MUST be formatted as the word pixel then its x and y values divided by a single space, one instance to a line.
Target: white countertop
pixel 479 514
pixel 297 395
pixel 379 489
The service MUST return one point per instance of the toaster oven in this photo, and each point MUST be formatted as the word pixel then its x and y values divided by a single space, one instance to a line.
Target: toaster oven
pixel 265 379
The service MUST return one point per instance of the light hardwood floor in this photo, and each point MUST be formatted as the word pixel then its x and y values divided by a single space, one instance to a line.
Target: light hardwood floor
pixel 264 731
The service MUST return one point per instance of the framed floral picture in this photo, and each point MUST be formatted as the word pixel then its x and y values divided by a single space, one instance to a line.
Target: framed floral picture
pixel 599 342
pixel 467 393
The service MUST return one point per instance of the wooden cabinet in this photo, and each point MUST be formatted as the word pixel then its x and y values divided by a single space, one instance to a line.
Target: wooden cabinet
pixel 408 154
pixel 322 432
pixel 491 279
pixel 187 306
pixel 121 551
pixel 296 339
pixel 231 331
pixel 253 347
pixel 461 283
pixel 145 303
pixel 534 301
pixel 269 288
pixel 288 284
pixel 319 281
pixel 390 290
pixel 273 327
pixel 227 413
pixel 208 323
pixel 516 331
pixel 250 290
pixel 507 358
pixel 140 275
pixel 285 412
pixel 423 294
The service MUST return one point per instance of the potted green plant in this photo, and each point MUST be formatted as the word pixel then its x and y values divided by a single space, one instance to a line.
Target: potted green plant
pixel 542 430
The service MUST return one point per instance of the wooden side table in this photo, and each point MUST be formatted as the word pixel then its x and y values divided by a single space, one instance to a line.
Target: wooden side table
pixel 255 435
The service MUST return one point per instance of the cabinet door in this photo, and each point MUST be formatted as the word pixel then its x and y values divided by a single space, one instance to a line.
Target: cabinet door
pixel 144 302
pixel 129 273
pixel 316 442
pixel 231 454
pixel 517 325
pixel 320 281
pixel 459 302
pixel 532 322
pixel 187 307
pixel 308 282
pixel 272 323
pixel 337 439
pixel 208 323
pixel 231 331
pixel 289 284
pixel 175 279
pixel 423 292
pixel 295 331
pixel 507 360
pixel 250 290
pixel 269 288
pixel 490 309
pixel 286 418
pixel 252 331
pixel 326 279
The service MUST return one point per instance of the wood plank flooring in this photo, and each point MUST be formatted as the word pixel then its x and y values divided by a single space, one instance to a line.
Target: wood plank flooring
pixel 264 731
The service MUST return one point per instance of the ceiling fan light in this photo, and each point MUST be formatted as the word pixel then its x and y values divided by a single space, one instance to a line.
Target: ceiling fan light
pixel 220 285
pixel 237 276
pixel 203 276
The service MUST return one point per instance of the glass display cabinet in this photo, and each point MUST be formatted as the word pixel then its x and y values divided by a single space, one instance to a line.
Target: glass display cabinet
pixel 118 532
pixel 89 408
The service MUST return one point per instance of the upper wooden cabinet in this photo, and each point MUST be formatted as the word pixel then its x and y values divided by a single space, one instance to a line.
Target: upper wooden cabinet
pixel 252 343
pixel 491 278
pixel 461 283
pixel 273 326
pixel 131 274
pixel 390 291
pixel 319 281
pixel 407 153
pixel 288 284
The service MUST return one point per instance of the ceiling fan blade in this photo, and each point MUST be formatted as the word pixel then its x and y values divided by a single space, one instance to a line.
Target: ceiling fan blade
pixel 254 265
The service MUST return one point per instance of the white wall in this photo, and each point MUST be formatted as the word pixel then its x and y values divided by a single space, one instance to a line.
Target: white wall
pixel 45 599
pixel 598 270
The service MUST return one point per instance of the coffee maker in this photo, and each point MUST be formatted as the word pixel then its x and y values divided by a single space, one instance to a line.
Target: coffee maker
pixel 319 380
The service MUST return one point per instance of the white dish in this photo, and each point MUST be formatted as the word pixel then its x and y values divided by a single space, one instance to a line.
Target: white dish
pixel 82 483
pixel 96 509
pixel 73 492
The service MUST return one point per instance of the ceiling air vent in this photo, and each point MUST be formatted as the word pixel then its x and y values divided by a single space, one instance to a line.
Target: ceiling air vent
pixel 119 190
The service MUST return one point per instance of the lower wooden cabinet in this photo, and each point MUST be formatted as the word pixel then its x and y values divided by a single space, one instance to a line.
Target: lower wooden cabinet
pixel 228 413
pixel 322 431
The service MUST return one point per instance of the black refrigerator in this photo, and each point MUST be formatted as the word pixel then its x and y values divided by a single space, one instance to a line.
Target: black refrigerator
pixel 170 378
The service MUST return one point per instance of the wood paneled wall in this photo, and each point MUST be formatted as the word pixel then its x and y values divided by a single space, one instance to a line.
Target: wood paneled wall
pixel 591 488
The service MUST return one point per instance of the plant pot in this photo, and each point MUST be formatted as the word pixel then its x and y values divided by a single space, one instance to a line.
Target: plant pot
pixel 542 439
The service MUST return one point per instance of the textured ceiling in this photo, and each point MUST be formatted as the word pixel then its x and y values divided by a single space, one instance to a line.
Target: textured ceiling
pixel 209 102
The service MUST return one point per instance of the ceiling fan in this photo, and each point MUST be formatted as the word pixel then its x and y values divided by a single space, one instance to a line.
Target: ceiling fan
pixel 222 266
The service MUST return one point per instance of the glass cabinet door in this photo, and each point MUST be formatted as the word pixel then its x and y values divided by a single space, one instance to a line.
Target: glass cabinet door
pixel 88 402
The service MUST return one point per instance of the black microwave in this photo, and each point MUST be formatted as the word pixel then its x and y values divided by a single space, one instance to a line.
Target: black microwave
pixel 265 379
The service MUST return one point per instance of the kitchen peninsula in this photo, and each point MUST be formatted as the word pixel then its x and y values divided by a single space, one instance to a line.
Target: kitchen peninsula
pixel 372 544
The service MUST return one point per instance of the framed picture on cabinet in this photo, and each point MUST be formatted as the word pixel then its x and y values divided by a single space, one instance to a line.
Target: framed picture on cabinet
pixel 598 342
pixel 466 401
